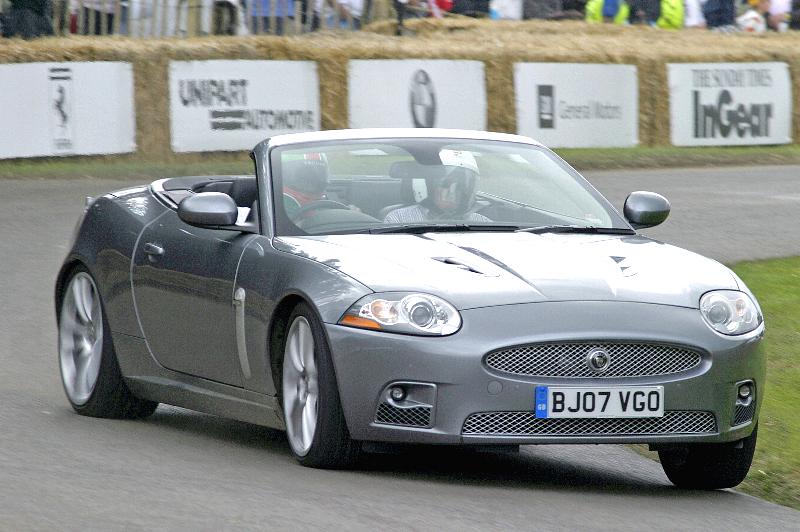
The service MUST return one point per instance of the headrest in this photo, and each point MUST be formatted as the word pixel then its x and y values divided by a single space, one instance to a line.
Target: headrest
pixel 415 170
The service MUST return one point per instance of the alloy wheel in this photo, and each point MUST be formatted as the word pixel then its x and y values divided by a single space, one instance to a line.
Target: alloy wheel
pixel 80 338
pixel 300 386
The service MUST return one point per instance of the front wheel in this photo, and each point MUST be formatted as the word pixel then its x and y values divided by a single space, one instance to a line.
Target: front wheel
pixel 709 466
pixel 315 424
pixel 89 369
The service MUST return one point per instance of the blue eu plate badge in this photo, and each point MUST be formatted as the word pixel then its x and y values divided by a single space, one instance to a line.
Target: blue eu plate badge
pixel 541 402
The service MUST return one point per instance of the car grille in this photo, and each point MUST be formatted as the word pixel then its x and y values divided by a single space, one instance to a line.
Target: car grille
pixel 415 416
pixel 527 424
pixel 571 360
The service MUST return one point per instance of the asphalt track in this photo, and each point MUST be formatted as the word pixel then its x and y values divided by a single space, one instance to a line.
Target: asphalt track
pixel 180 470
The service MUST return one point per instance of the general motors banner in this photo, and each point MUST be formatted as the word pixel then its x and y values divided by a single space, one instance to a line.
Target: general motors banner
pixel 233 105
pixel 573 105
pixel 726 104
pixel 51 109
pixel 417 93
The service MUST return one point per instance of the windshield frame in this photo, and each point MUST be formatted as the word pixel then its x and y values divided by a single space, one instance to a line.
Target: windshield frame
pixel 282 226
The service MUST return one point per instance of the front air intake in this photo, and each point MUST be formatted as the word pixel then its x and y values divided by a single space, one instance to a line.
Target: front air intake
pixel 527 424
pixel 414 416
pixel 745 408
pixel 406 404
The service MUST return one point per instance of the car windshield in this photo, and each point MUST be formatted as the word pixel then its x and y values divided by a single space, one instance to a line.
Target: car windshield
pixel 432 184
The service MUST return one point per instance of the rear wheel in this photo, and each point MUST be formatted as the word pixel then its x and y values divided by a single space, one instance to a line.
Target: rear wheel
pixel 709 466
pixel 89 368
pixel 315 424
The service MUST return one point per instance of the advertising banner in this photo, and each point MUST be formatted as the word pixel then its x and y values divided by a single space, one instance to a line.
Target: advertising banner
pixel 729 104
pixel 572 105
pixel 233 105
pixel 56 109
pixel 417 93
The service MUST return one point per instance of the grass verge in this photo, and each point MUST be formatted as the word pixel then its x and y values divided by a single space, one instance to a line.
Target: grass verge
pixel 134 168
pixel 775 473
pixel 672 157
pixel 125 167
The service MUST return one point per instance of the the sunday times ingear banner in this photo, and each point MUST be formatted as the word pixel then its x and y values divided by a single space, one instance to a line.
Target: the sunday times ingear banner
pixel 725 104
pixel 575 105
pixel 233 105
pixel 417 93
pixel 51 109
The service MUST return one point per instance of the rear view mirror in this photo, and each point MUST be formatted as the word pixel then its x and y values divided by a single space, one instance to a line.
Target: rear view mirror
pixel 208 209
pixel 645 209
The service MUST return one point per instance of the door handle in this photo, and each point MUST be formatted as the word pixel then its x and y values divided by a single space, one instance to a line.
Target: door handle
pixel 152 249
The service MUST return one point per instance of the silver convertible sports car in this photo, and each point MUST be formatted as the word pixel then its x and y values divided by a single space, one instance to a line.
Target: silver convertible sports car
pixel 412 286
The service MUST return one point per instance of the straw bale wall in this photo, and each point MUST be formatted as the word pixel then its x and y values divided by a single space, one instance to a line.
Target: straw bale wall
pixel 498 44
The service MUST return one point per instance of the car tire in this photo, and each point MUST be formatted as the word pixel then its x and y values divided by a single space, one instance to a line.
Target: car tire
pixel 88 363
pixel 310 395
pixel 709 466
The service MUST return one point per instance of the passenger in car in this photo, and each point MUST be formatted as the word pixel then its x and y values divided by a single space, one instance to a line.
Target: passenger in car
pixel 450 196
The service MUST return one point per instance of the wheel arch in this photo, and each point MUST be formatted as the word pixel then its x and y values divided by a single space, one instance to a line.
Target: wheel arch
pixel 278 327
pixel 64 273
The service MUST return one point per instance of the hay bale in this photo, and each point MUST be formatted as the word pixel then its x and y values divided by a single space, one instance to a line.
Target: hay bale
pixel 498 44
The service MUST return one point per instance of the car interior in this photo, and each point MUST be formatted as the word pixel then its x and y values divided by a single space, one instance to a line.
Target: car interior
pixel 361 199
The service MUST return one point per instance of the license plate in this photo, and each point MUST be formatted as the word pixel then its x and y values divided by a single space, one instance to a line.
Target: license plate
pixel 611 401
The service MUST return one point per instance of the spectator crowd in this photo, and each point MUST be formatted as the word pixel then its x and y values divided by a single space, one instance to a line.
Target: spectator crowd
pixel 755 16
pixel 158 18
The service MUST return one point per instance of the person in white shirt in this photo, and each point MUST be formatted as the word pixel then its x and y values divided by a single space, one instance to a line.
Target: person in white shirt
pixel 754 20
pixel 693 14
pixel 450 195
pixel 347 12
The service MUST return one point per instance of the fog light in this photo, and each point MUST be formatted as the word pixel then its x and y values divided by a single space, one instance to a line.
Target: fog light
pixel 745 390
pixel 397 393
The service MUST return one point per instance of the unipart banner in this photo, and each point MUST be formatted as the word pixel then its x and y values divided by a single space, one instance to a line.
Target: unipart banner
pixel 573 105
pixel 233 105
pixel 51 109
pixel 417 93
pixel 725 104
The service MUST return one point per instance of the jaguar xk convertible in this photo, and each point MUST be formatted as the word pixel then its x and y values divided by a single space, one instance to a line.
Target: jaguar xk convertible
pixel 412 286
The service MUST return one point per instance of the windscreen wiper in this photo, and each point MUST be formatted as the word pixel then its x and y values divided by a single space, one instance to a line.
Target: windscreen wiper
pixel 586 229
pixel 440 228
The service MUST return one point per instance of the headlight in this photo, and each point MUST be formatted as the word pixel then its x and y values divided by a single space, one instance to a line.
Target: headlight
pixel 730 312
pixel 407 313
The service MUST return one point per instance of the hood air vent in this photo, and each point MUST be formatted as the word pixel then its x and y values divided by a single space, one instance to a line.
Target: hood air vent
pixel 458 264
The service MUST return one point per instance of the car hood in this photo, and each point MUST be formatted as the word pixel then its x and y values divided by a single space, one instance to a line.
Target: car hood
pixel 484 269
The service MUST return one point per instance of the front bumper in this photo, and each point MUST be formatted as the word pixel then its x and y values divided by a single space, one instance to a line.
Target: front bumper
pixel 367 362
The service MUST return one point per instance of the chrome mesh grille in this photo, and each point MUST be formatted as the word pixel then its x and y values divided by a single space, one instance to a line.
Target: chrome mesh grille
pixel 570 360
pixel 527 424
pixel 415 416
pixel 744 413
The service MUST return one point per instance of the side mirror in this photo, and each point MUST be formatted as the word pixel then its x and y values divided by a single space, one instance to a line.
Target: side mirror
pixel 208 209
pixel 645 209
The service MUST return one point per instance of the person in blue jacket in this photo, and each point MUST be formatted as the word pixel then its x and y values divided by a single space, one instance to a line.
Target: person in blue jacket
pixel 261 12
pixel 719 13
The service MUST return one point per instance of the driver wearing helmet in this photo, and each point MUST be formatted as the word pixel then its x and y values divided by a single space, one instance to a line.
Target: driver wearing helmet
pixel 304 181
pixel 450 196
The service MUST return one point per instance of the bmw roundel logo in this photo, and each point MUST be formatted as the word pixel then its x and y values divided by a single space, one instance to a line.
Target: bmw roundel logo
pixel 598 360
pixel 423 100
